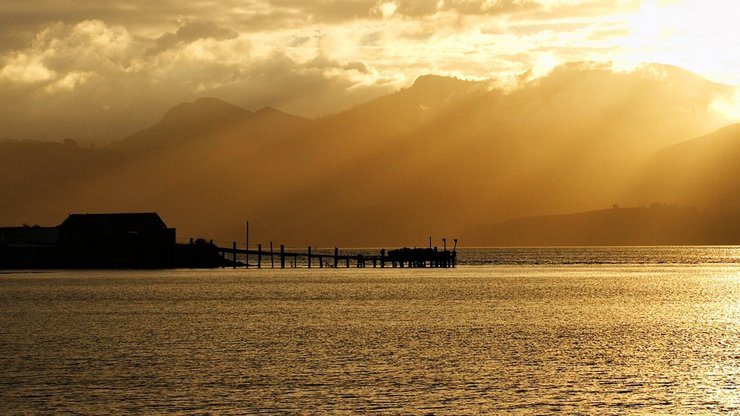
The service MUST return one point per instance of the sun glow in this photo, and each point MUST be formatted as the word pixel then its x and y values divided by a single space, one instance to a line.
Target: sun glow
pixel 695 35
pixel 728 107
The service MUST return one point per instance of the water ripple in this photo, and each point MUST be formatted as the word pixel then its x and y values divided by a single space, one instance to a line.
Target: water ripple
pixel 509 340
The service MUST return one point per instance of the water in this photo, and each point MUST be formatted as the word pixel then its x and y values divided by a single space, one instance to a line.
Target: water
pixel 602 255
pixel 621 338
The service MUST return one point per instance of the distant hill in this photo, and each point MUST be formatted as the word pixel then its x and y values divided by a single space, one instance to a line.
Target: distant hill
pixel 434 159
pixel 645 226
pixel 703 171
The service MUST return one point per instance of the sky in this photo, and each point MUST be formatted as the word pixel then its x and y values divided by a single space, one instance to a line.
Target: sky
pixel 97 71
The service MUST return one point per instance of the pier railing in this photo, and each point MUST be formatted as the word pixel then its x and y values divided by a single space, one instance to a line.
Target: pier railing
pixel 310 258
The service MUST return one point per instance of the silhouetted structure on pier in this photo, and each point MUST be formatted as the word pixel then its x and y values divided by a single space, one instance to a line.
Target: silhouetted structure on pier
pixel 421 257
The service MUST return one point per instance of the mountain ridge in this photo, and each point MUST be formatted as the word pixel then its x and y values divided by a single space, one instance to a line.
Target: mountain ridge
pixel 435 158
pixel 204 116
pixel 657 224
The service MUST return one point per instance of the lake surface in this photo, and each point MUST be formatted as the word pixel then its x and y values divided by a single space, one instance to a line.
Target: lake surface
pixel 570 335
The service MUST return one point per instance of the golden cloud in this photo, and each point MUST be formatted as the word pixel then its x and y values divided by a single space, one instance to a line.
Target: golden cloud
pixel 315 57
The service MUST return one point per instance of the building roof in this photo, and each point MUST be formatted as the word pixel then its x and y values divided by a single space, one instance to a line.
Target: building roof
pixel 139 220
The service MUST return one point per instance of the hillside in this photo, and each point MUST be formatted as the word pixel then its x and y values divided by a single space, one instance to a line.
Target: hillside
pixel 438 157
pixel 641 226
pixel 703 171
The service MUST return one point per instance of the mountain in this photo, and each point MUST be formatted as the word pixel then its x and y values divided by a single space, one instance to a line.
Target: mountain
pixel 201 119
pixel 639 226
pixel 703 171
pixel 563 143
pixel 434 159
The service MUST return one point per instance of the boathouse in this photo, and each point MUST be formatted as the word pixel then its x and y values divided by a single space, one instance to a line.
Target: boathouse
pixel 117 240
pixel 136 229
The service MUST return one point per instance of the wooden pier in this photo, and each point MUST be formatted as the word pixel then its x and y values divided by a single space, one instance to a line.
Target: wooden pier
pixel 399 258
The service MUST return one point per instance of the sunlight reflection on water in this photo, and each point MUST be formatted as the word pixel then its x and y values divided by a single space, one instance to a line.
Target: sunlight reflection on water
pixel 503 339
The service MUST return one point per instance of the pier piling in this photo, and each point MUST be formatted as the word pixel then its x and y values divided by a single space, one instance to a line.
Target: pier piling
pixel 234 252
pixel 282 256
pixel 401 258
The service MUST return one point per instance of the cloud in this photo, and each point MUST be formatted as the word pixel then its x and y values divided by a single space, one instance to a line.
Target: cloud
pixel 728 106
pixel 20 68
pixel 190 32
pixel 125 61
pixel 111 82
pixel 69 82
pixel 62 53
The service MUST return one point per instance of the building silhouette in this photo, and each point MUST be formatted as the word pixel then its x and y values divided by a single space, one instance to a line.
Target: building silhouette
pixel 115 240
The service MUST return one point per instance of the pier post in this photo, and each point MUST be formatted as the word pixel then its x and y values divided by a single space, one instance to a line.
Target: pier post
pixel 246 253
pixel 272 257
pixel 321 262
pixel 336 257
pixel 259 256
pixel 347 261
pixel 308 257
pixel 233 249
pixel 454 254
pixel 282 256
pixel 382 258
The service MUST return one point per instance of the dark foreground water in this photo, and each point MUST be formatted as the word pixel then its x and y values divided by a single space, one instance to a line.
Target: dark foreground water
pixel 495 339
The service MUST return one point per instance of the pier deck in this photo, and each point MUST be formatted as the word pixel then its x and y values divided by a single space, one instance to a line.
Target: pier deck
pixel 404 257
